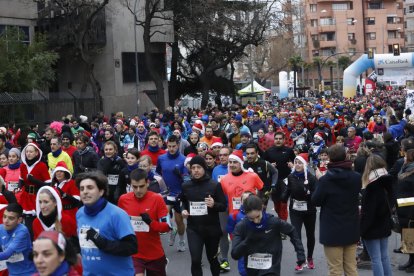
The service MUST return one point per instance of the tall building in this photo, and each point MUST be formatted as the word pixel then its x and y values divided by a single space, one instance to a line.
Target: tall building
pixel 350 28
pixel 409 25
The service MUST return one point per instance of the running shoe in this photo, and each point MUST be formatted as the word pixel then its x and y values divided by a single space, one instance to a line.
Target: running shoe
pixel 181 246
pixel 225 266
pixel 311 265
pixel 300 267
pixel 173 234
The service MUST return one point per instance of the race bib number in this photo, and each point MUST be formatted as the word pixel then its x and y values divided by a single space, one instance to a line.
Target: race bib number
pixel 113 179
pixel 139 225
pixel 255 135
pixel 130 145
pixel 198 208
pixel 236 203
pixel 88 244
pixel 3 265
pixel 300 141
pixel 171 198
pixel 16 257
pixel 11 186
pixel 259 261
pixel 300 205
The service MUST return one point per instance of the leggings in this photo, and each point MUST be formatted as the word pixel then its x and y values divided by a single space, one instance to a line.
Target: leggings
pixel 224 241
pixel 298 218
pixel 196 243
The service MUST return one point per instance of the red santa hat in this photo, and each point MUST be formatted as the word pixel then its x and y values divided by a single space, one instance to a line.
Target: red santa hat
pixel 58 203
pixel 318 136
pixel 188 158
pixel 303 158
pixel 56 237
pixel 61 166
pixel 237 155
pixel 198 125
pixel 217 144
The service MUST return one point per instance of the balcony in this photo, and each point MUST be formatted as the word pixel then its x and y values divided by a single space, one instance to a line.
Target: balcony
pixel 327 28
pixel 327 43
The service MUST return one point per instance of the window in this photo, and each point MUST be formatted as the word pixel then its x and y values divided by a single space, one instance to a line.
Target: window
pixel 312 7
pixel 410 9
pixel 328 51
pixel 315 53
pixel 314 37
pixel 314 22
pixel 351 36
pixel 327 21
pixel 328 36
pixel 375 6
pixel 340 6
pixel 128 66
pixel 371 36
pixel 350 21
pixel 351 51
pixel 392 34
pixel 393 20
pixel 23 33
pixel 370 20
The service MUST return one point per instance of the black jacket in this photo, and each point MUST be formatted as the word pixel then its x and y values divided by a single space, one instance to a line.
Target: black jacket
pixel 280 155
pixel 405 188
pixel 296 189
pixel 248 240
pixel 86 160
pixel 196 191
pixel 375 211
pixel 337 193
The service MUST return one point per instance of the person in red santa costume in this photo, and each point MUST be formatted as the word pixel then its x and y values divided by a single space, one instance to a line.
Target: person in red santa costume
pixel 50 216
pixel 34 174
pixel 68 191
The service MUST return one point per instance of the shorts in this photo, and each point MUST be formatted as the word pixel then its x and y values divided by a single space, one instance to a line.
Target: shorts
pixel 175 204
pixel 152 267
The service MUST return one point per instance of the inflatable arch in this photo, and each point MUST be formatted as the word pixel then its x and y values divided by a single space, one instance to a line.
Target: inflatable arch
pixel 352 72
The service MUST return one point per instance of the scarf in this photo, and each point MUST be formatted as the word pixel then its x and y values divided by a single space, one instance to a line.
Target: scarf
pixel 85 150
pixel 299 174
pixel 261 226
pixel 95 208
pixel 14 166
pixel 133 167
pixel 34 160
pixel 48 220
pixel 63 269
pixel 56 153
pixel 375 174
pixel 153 149
pixel 346 164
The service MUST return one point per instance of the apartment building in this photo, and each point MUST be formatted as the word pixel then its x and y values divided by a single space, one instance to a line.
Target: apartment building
pixel 409 25
pixel 338 28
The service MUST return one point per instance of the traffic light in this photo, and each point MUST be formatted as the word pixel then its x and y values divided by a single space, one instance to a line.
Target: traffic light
pixel 396 49
pixel 370 53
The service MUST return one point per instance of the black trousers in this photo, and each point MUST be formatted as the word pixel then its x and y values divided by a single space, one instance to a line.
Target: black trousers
pixel 196 243
pixel 299 218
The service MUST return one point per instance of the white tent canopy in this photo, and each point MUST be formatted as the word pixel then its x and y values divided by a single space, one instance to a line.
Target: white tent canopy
pixel 257 89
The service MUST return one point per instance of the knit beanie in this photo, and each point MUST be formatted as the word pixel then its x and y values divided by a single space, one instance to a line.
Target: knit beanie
pixel 16 151
pixel 198 160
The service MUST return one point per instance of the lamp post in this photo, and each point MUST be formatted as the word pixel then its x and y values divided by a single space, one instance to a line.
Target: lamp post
pixel 136 55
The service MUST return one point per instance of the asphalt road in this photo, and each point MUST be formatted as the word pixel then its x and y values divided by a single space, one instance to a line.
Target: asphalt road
pixel 180 262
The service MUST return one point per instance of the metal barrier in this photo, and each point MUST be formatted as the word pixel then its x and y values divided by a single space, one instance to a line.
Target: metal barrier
pixel 38 107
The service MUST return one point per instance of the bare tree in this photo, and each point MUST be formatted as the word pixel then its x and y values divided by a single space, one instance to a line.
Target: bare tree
pixel 77 28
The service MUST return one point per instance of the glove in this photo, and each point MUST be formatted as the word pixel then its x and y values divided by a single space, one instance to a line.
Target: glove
pixel 177 172
pixel 91 234
pixel 62 193
pixel 146 218
pixel 31 178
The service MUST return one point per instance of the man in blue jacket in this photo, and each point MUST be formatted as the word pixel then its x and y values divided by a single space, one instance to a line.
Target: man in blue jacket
pixel 337 194
pixel 15 242
pixel 171 167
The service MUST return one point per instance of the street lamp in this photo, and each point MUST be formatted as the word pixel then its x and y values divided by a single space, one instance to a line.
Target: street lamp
pixel 136 54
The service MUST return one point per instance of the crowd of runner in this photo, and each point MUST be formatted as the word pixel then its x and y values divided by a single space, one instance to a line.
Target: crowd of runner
pixel 91 196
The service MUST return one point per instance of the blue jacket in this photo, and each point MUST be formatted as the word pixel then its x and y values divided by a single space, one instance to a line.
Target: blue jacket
pixel 172 170
pixel 218 171
pixel 16 246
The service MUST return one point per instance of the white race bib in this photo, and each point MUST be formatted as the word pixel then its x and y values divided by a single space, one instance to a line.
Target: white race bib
pixel 198 208
pixel 300 205
pixel 300 141
pixel 171 198
pixel 16 257
pixel 3 265
pixel 236 203
pixel 130 145
pixel 11 186
pixel 113 179
pixel 139 225
pixel 82 239
pixel 255 135
pixel 259 261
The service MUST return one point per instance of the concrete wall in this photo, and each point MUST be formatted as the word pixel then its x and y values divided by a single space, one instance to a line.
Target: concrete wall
pixel 19 13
